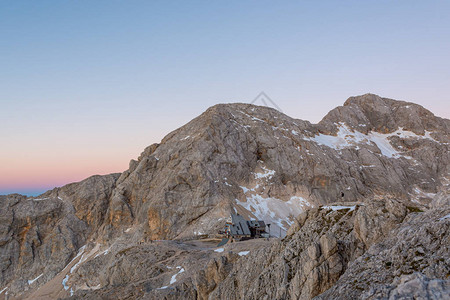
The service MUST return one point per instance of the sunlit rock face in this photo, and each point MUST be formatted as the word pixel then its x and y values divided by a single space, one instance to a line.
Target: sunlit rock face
pixel 373 163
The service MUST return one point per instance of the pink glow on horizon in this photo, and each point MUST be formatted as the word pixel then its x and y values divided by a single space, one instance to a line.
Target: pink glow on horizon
pixel 54 175
pixel 42 172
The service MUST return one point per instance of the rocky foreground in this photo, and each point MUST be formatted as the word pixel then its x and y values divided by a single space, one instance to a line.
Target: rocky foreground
pixel 360 202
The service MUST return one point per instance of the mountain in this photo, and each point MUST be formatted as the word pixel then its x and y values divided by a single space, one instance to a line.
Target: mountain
pixel 364 191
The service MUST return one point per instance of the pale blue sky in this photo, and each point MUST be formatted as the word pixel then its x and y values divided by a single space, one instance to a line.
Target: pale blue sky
pixel 87 85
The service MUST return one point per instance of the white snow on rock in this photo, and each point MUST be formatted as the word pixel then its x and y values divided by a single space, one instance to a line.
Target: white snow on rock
pixel 242 253
pixel 266 174
pixel 339 207
pixel 33 280
pixel 81 260
pixel 80 252
pixel 273 210
pixel 445 217
pixel 421 193
pixel 279 213
pixel 252 117
pixel 246 190
pixel 77 264
pixel 163 287
pixel 1 292
pixel 346 137
pixel 64 282
pixel 103 252
pixel 174 277
pixel 39 199
pixel 220 250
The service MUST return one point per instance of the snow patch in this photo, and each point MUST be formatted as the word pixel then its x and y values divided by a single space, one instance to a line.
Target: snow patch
pixel 273 210
pixel 80 252
pixel 163 287
pixel 1 292
pixel 267 173
pixel 242 253
pixel 30 282
pixel 421 193
pixel 346 137
pixel 339 207
pixel 103 252
pixel 64 282
pixel 220 250
pixel 252 117
pixel 174 277
pixel 441 219
pixel 246 190
pixel 39 199
pixel 185 138
pixel 245 126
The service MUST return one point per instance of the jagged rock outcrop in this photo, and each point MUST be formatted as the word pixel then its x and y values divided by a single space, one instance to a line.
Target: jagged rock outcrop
pixel 389 158
pixel 40 236
pixel 414 286
pixel 326 257
pixel 419 244
pixel 36 238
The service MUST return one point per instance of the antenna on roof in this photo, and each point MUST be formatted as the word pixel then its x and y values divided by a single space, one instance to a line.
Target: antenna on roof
pixel 263 97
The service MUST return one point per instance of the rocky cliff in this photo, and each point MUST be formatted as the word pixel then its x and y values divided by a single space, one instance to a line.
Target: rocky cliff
pixel 363 196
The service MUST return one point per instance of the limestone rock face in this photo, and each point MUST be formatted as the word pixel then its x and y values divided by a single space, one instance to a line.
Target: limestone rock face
pixel 327 258
pixel 40 236
pixel 417 247
pixel 240 155
pixel 37 237
pixel 370 181
pixel 414 286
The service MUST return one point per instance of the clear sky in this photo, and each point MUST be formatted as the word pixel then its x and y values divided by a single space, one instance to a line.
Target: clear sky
pixel 86 85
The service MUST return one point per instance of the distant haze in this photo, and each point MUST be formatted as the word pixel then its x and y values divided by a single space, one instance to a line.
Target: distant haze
pixel 86 86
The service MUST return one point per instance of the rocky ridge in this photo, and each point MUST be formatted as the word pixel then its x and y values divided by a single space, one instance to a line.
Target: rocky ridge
pixel 385 161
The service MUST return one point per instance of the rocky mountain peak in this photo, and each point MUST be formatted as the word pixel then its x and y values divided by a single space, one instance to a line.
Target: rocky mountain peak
pixel 370 112
pixel 367 170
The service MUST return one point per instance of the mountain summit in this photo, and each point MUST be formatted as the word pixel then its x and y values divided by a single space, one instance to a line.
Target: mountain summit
pixel 335 191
